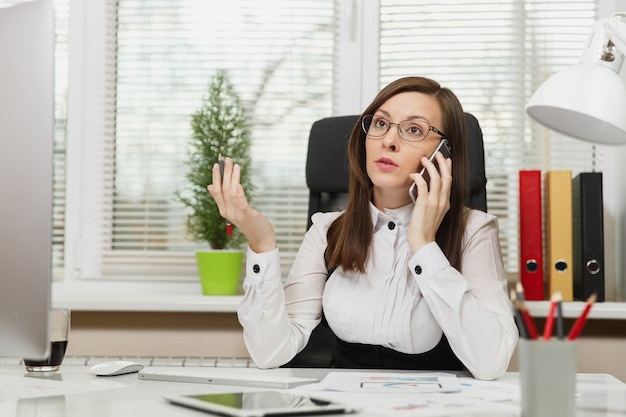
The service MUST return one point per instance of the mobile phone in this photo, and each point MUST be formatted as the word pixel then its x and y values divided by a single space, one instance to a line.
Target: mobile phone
pixel 220 161
pixel 259 404
pixel 444 148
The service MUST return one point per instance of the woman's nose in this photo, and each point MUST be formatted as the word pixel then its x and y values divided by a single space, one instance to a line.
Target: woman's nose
pixel 391 138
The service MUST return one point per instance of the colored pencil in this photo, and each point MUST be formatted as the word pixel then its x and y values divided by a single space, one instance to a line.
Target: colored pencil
pixel 530 324
pixel 519 288
pixel 582 319
pixel 523 332
pixel 547 330
pixel 559 320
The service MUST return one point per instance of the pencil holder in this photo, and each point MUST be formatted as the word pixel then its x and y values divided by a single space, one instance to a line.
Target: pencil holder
pixel 548 377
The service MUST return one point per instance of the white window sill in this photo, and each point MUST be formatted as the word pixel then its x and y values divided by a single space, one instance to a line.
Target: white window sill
pixel 187 297
pixel 140 297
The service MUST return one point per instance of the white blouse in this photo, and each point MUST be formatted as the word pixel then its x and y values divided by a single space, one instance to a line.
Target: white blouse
pixel 402 302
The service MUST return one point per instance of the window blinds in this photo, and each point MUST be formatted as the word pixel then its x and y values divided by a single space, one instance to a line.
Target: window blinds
pixel 493 55
pixel 61 78
pixel 278 56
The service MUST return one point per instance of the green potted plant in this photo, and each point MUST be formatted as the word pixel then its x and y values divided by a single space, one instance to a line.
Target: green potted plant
pixel 219 128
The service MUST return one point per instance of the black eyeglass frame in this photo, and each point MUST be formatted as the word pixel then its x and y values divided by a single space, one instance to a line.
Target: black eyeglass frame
pixel 389 123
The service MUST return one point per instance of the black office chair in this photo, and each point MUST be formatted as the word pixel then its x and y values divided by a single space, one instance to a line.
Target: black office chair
pixel 327 180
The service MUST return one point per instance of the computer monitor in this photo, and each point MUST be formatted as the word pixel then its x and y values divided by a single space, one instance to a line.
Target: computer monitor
pixel 26 157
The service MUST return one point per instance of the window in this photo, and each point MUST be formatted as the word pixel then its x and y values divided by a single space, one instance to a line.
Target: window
pixel 278 55
pixel 143 67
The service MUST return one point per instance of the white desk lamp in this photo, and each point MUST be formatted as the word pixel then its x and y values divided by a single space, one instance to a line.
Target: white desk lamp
pixel 588 100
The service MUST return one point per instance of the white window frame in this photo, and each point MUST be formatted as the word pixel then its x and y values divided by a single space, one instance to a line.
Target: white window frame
pixel 85 136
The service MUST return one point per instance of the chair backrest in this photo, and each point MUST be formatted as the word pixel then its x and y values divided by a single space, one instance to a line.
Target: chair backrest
pixel 327 178
pixel 327 164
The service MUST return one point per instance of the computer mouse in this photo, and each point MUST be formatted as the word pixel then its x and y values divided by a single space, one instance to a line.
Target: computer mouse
pixel 113 368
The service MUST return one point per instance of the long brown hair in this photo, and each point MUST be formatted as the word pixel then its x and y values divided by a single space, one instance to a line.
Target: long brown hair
pixel 350 235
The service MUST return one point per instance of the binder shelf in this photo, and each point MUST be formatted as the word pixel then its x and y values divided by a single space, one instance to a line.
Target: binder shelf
pixel 572 309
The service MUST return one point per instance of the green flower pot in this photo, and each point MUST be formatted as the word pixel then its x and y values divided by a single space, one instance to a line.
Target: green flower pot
pixel 219 271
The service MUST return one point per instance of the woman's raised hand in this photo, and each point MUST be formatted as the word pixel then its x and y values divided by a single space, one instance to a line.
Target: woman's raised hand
pixel 233 205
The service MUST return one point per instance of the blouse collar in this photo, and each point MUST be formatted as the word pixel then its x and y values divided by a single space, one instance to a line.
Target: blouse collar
pixel 401 215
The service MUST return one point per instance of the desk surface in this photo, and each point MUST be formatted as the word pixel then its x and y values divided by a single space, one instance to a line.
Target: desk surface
pixel 126 395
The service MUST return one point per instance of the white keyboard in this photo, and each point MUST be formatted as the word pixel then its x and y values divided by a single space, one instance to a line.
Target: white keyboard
pixel 188 361
pixel 220 376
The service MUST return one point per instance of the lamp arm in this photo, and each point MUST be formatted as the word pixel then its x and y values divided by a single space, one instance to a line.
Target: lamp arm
pixel 616 28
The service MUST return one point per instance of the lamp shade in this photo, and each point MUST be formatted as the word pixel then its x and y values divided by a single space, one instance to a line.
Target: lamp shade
pixel 586 101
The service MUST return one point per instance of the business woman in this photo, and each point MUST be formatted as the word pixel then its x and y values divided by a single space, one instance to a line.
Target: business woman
pixel 402 284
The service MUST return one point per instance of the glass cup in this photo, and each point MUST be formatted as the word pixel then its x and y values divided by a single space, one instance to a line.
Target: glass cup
pixel 59 330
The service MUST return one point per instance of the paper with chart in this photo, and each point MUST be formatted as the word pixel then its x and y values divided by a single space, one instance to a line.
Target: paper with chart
pixel 408 394
pixel 387 383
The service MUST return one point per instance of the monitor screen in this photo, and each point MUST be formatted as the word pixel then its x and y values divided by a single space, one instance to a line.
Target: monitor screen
pixel 26 157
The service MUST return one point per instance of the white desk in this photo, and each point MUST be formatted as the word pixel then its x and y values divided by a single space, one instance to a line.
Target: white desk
pixel 127 396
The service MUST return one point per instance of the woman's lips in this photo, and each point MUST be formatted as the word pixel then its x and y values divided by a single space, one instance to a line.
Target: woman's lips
pixel 386 164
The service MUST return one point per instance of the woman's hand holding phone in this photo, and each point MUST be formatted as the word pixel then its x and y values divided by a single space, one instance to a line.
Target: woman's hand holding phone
pixel 444 148
pixel 433 202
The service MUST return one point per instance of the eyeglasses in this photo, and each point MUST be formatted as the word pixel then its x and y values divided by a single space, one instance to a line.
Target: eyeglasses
pixel 412 130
